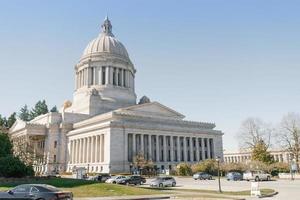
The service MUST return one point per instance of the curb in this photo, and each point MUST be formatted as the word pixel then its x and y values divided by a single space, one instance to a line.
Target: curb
pixel 269 195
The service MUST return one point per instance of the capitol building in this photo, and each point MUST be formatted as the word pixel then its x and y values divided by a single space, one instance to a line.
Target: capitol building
pixel 105 127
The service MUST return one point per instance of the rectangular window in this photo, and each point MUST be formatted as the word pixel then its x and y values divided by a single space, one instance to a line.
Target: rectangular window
pixel 54 158
pixel 124 78
pixel 55 144
pixel 103 75
pixel 114 77
pixel 119 77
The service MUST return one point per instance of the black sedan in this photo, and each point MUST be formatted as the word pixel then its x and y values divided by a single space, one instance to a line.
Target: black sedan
pixel 133 180
pixel 36 192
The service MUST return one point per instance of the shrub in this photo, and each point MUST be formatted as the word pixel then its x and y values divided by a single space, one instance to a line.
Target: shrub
pixel 183 169
pixel 11 166
pixel 208 166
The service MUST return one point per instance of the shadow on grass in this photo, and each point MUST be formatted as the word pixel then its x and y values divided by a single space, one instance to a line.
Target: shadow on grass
pixel 57 182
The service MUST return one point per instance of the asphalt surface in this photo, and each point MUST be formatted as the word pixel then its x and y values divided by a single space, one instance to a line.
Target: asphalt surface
pixel 286 189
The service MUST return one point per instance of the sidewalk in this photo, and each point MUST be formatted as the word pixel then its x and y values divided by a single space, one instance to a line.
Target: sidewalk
pixel 131 197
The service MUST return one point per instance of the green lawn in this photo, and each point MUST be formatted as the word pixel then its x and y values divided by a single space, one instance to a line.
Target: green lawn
pixel 82 188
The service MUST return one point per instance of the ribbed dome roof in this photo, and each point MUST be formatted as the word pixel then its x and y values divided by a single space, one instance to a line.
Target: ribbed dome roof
pixel 106 43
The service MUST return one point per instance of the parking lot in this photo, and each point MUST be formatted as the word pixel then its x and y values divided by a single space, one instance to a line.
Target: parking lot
pixel 287 189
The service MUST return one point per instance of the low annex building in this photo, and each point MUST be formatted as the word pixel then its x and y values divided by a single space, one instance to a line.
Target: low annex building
pixel 104 128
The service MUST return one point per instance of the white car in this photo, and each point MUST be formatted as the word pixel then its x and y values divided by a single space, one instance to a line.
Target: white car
pixel 115 179
pixel 256 175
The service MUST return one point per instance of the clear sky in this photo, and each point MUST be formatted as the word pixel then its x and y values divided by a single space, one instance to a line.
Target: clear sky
pixel 216 61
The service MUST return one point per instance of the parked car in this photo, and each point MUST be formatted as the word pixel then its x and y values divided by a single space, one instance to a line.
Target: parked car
pixel 202 176
pixel 100 177
pixel 36 192
pixel 257 175
pixel 134 180
pixel 163 182
pixel 115 179
pixel 234 176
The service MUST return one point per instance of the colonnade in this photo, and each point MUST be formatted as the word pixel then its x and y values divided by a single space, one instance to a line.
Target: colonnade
pixel 87 150
pixel 105 75
pixel 166 148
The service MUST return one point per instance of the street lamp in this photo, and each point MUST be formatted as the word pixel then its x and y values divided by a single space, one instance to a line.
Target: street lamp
pixel 219 180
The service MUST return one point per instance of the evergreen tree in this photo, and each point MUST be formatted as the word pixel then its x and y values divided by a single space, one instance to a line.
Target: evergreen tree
pixel 54 109
pixel 260 153
pixel 24 113
pixel 11 120
pixel 5 145
pixel 3 122
pixel 40 108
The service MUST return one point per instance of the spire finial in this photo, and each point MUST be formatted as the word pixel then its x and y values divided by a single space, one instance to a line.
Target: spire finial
pixel 107 27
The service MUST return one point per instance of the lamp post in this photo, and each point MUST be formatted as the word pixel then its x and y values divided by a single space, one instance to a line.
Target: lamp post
pixel 219 180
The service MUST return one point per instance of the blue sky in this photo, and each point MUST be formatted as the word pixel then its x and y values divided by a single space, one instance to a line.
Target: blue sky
pixel 217 60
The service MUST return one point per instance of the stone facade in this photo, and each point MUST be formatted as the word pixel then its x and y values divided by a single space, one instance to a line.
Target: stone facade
pixel 104 128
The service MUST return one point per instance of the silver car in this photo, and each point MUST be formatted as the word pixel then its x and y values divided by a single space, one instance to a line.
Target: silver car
pixel 202 176
pixel 115 179
pixel 163 182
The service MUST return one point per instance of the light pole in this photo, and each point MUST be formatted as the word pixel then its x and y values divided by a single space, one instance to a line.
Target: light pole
pixel 219 180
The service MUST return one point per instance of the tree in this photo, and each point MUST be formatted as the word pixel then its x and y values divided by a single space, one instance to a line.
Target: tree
pixel 24 114
pixel 5 145
pixel 54 109
pixel 10 165
pixel 40 108
pixel 260 153
pixel 3 122
pixel 252 131
pixel 11 120
pixel 289 134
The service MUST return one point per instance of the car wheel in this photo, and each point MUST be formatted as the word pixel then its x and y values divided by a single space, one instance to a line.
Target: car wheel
pixel 268 178
pixel 114 182
pixel 210 178
pixel 173 184
pixel 160 185
pixel 256 178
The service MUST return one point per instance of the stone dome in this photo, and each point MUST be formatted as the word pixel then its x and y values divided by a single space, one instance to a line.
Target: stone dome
pixel 106 43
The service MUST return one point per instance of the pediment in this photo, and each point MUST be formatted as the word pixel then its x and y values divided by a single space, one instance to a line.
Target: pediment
pixel 155 109
pixel 19 124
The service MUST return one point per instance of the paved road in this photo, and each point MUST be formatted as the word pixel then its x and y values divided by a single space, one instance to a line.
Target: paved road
pixel 287 189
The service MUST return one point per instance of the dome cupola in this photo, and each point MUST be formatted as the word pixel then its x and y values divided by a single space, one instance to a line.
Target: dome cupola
pixel 105 43
pixel 104 75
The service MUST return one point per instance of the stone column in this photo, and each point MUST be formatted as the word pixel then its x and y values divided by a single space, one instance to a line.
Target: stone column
pixel 75 151
pixel 96 148
pixel 107 74
pixel 99 76
pixel 142 144
pixel 84 151
pixel 89 149
pixel 149 148
pixel 157 149
pixel 103 147
pixel 111 75
pixel 165 148
pixel 171 149
pixel 203 148
pixel 191 150
pixel 79 152
pixel 184 149
pixel 71 152
pixel 178 149
pixel 100 148
pixel 93 149
pixel 197 149
pixel 208 149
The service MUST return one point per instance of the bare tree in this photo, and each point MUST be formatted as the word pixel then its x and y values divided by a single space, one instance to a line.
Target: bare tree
pixel 289 134
pixel 252 132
